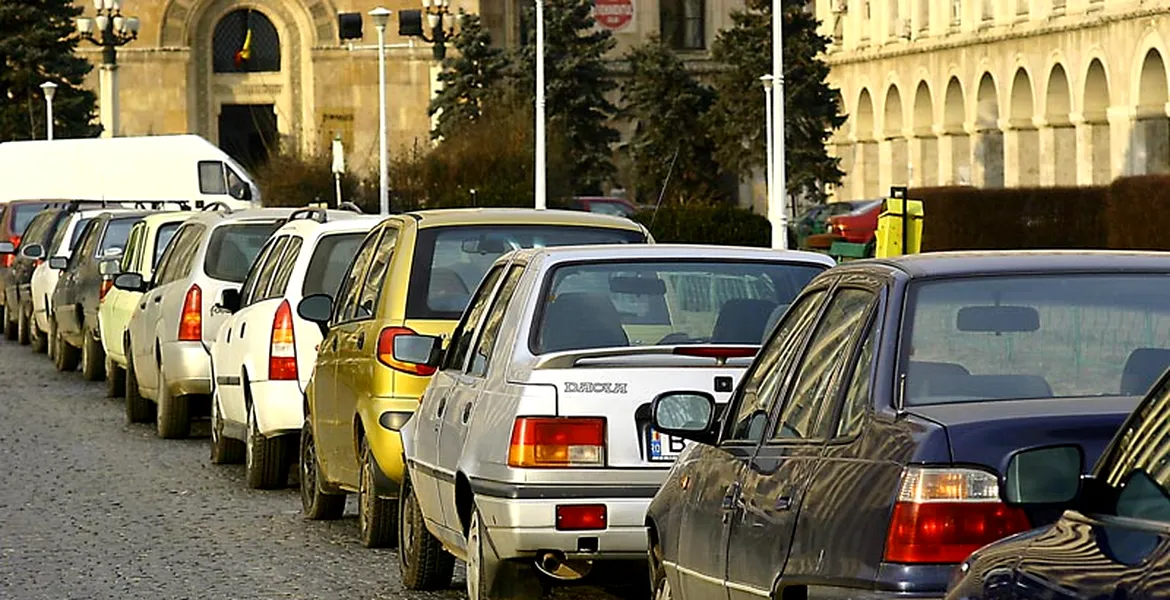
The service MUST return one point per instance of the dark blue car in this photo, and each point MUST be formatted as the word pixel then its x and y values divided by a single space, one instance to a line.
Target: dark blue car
pixel 1112 543
pixel 860 458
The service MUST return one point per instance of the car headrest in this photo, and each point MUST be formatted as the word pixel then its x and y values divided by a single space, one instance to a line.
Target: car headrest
pixel 742 321
pixel 1142 369
pixel 582 320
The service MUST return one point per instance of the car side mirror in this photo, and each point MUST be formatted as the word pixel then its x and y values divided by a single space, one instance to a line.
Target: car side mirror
pixel 317 308
pixel 58 262
pixel 31 251
pixel 1047 475
pixel 110 267
pixel 130 282
pixel 7 248
pixel 424 350
pixel 688 415
pixel 230 300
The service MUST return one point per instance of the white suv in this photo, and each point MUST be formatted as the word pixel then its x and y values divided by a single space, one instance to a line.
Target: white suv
pixel 263 355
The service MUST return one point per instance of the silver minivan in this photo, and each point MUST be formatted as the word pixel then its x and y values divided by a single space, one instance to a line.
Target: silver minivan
pixel 169 337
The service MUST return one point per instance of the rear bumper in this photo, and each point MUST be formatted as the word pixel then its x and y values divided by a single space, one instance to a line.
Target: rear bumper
pixel 824 592
pixel 188 368
pixel 280 407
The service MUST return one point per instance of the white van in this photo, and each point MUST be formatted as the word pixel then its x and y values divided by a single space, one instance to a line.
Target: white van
pixel 176 168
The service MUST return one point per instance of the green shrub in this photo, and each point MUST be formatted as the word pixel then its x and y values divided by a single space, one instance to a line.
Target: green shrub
pixel 714 223
pixel 1137 216
pixel 290 180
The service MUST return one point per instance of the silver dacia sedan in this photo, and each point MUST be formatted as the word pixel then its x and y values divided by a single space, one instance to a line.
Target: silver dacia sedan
pixel 531 456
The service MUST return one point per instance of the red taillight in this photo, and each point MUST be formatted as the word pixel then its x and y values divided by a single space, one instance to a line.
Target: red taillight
pixel 943 515
pixel 107 285
pixel 191 321
pixel 717 351
pixel 8 258
pixel 581 517
pixel 386 353
pixel 282 350
pixel 557 442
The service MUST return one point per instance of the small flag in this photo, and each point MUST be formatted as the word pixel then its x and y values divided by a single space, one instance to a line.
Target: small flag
pixel 245 52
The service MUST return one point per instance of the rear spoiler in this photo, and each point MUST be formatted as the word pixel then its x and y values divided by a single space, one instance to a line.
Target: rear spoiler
pixel 720 352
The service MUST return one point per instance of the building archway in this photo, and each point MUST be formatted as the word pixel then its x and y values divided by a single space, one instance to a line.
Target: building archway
pixel 989 138
pixel 1095 113
pixel 955 135
pixel 924 153
pixel 1150 149
pixel 866 151
pixel 896 160
pixel 1062 160
pixel 1025 139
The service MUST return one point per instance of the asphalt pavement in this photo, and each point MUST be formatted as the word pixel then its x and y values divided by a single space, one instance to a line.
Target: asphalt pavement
pixel 91 507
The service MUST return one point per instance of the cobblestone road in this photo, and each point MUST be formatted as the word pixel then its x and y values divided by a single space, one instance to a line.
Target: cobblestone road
pixel 91 507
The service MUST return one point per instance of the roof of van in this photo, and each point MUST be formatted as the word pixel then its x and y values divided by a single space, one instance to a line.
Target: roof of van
pixel 520 216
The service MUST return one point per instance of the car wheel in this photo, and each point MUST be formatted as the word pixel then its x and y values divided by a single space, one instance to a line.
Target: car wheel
pixel 115 379
pixel 658 581
pixel 422 561
pixel 93 359
pixel 10 325
pixel 377 517
pixel 317 504
pixel 489 578
pixel 50 343
pixel 174 412
pixel 138 409
pixel 224 450
pixel 23 335
pixel 265 458
pixel 65 357
pixel 40 340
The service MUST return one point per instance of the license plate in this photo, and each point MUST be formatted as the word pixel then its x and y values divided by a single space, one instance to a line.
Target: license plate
pixel 661 447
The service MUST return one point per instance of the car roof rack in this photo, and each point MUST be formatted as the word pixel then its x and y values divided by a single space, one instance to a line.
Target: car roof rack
pixel 218 206
pixel 350 206
pixel 317 214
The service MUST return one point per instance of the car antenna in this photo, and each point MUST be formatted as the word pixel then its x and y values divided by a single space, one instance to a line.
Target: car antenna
pixel 662 192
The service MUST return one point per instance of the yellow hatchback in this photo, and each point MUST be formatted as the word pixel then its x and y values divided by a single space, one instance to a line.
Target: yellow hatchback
pixel 414 273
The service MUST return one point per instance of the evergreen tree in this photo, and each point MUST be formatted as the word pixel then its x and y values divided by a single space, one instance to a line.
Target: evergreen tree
pixel 810 111
pixel 666 104
pixel 36 46
pixel 467 78
pixel 576 84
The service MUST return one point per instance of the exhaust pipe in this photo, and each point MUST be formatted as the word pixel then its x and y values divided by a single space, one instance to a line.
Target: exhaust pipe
pixel 554 564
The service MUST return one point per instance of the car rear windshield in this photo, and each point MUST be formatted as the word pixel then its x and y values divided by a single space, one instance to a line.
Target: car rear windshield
pixel 166 231
pixel 77 230
pixel 329 263
pixel 117 232
pixel 449 262
pixel 1036 336
pixel 233 247
pixel 23 214
pixel 619 304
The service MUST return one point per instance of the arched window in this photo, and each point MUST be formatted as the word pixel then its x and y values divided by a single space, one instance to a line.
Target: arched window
pixel 245 41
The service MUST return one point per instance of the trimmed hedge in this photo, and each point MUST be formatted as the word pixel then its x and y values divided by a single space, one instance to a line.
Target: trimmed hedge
pixel 719 224
pixel 1137 216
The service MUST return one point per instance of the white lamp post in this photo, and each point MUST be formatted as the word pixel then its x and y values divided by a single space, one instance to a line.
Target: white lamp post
pixel 776 209
pixel 50 89
pixel 381 16
pixel 112 30
pixel 541 201
pixel 769 131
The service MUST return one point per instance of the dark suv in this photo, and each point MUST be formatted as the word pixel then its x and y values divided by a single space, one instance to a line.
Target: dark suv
pixel 81 288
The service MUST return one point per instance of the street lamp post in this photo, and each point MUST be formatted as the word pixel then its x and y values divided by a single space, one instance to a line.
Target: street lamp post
pixel 541 202
pixel 770 154
pixel 50 89
pixel 776 209
pixel 436 11
pixel 381 16
pixel 109 29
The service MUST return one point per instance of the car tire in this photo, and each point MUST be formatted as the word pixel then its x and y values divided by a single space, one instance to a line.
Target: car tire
pixel 23 334
pixel 115 379
pixel 377 517
pixel 659 584
pixel 265 458
pixel 40 339
pixel 224 450
pixel 423 563
pixel 10 325
pixel 174 412
pixel 138 408
pixel 317 504
pixel 488 577
pixel 93 359
pixel 65 357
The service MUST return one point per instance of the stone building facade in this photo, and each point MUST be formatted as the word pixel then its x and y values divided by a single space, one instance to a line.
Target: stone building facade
pixel 998 92
pixel 301 86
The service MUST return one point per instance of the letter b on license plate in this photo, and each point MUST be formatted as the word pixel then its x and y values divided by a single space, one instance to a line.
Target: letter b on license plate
pixel 661 447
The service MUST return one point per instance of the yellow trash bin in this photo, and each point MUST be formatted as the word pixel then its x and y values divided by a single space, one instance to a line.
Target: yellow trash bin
pixel 892 220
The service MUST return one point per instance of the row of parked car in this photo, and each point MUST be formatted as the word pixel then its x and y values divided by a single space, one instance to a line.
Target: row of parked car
pixel 553 398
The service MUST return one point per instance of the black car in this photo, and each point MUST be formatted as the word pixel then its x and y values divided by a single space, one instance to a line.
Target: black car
pixel 860 455
pixel 1115 540
pixel 22 261
pixel 81 288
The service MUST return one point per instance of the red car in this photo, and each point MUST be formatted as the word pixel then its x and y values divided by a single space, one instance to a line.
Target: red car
pixel 858 226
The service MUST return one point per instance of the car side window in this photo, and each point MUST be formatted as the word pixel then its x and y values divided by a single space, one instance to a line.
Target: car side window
pixel 179 255
pixel 129 261
pixel 372 288
pixel 857 392
pixel 464 333
pixel 284 271
pixel 818 373
pixel 491 325
pixel 1138 466
pixel 37 228
pixel 87 244
pixel 351 285
pixel 268 269
pixel 761 384
pixel 168 257
pixel 252 279
pixel 58 237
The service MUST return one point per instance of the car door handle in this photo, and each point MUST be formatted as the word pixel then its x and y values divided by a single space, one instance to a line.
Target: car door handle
pixel 361 341
pixel 335 343
pixel 729 498
pixel 157 299
pixel 466 412
pixel 442 407
pixel 783 503
pixel 243 326
pixel 143 305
